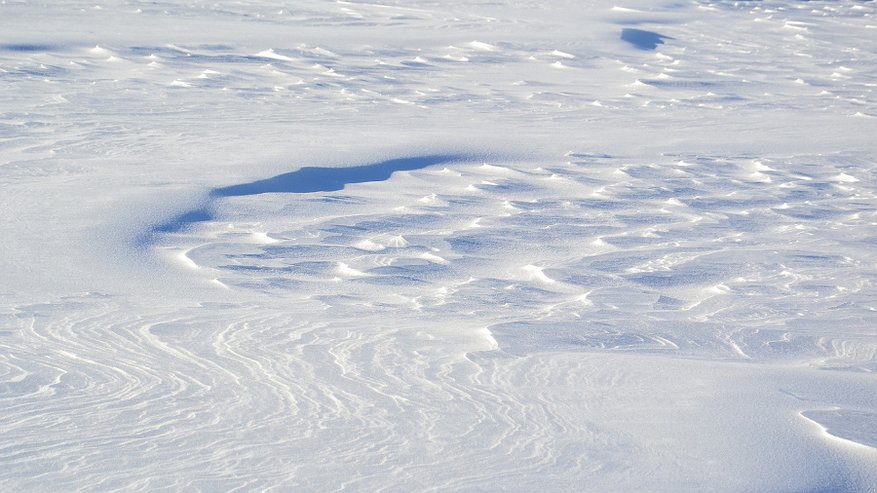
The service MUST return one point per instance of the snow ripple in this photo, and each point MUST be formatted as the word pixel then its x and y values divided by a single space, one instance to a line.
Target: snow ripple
pixel 719 264
pixel 102 400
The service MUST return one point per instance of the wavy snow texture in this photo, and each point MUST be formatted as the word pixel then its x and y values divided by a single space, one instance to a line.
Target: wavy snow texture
pixel 606 268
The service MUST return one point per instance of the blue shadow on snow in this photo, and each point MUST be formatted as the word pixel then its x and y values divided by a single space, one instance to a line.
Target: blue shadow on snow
pixel 181 221
pixel 28 47
pixel 305 180
pixel 644 40
pixel 312 179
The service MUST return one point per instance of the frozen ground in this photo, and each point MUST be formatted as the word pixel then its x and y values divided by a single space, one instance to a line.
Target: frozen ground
pixel 435 246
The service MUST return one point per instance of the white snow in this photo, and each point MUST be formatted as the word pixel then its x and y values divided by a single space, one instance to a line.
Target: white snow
pixel 389 246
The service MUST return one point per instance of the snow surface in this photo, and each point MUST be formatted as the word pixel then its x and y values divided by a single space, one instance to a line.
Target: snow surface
pixel 438 246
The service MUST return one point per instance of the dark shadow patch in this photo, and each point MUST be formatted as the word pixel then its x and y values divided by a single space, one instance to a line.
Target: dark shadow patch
pixel 312 179
pixel 644 40
pixel 305 180
pixel 28 47
pixel 180 222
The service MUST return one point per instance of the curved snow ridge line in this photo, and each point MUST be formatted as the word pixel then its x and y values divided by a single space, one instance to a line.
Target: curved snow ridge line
pixel 852 428
pixel 261 388
pixel 305 180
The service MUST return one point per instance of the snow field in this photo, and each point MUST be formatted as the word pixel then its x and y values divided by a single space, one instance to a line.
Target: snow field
pixel 438 246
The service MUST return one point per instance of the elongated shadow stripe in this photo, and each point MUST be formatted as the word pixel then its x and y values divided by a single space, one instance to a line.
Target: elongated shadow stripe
pixel 305 180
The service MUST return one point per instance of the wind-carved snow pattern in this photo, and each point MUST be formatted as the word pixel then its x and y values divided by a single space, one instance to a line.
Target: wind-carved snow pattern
pixel 534 253
pixel 694 255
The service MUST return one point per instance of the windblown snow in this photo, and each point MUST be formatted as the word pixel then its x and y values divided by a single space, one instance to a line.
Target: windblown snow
pixel 438 246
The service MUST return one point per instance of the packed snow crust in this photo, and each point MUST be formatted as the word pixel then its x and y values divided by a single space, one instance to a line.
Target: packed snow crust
pixel 438 246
